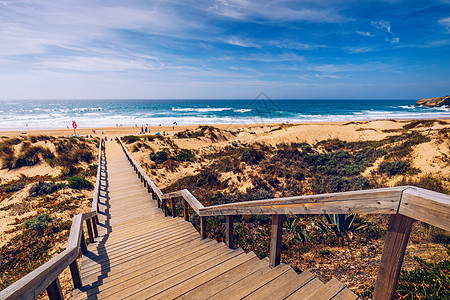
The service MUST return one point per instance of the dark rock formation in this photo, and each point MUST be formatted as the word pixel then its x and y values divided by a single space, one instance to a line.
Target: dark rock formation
pixel 434 102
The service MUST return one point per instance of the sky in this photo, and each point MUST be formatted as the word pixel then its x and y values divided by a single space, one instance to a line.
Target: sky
pixel 137 49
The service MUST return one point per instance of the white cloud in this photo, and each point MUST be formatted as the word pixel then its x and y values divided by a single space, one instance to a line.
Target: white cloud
pixel 365 33
pixel 382 25
pixel 30 27
pixel 290 44
pixel 446 23
pixel 238 42
pixel 360 49
pixel 278 10
pixel 331 76
pixel 99 64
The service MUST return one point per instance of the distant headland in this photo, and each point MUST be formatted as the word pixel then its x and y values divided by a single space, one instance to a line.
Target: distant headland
pixel 434 102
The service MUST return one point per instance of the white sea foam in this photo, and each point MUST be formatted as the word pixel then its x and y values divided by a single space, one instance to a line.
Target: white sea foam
pixel 202 109
pixel 243 110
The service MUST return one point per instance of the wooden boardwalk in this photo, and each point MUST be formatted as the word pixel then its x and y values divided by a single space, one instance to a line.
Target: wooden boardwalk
pixel 141 254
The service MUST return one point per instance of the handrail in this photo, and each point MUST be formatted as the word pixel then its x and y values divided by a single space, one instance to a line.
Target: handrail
pixel 188 197
pixel 421 204
pixel 375 201
pixel 45 277
pixel 96 195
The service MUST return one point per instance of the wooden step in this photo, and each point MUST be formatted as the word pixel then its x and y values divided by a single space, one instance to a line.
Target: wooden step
pixel 223 281
pixel 194 281
pixel 170 279
pixel 152 267
pixel 327 291
pixel 282 286
pixel 151 281
pixel 308 289
pixel 251 283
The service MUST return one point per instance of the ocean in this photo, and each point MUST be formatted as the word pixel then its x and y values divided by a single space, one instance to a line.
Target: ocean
pixel 52 114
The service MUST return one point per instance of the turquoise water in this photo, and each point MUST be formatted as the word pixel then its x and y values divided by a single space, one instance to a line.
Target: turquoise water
pixel 46 114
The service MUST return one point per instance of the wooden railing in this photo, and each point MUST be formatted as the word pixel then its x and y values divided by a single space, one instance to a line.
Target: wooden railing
pixel 46 276
pixel 404 204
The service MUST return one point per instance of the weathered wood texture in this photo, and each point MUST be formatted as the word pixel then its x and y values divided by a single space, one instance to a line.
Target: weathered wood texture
pixel 392 258
pixel 229 236
pixel 54 291
pixel 380 201
pixel 275 239
pixel 426 206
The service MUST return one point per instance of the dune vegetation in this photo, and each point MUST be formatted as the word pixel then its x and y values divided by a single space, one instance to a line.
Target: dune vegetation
pixel 45 181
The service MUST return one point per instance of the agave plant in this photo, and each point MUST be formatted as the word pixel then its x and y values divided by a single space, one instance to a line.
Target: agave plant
pixel 339 223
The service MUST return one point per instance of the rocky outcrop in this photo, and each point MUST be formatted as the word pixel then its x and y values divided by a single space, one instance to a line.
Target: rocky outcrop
pixel 434 102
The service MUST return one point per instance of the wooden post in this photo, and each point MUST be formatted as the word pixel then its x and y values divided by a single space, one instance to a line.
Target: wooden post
pixel 392 257
pixel 154 196
pixel 83 242
pixel 229 231
pixel 54 291
pixel 75 271
pixel 89 229
pixel 173 208
pixel 186 210
pixel 275 240
pixel 164 204
pixel 94 225
pixel 203 227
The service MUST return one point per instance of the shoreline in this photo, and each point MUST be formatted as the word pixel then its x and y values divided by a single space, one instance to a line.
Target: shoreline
pixel 171 129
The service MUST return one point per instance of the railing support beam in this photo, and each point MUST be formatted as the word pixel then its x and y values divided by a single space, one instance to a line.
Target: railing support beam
pixel 203 227
pixel 76 277
pixel 275 240
pixel 83 245
pixel 89 229
pixel 392 257
pixel 186 210
pixel 164 207
pixel 229 231
pixel 172 202
pixel 94 226
pixel 54 291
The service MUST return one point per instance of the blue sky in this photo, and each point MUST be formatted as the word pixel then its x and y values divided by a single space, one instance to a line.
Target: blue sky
pixel 224 49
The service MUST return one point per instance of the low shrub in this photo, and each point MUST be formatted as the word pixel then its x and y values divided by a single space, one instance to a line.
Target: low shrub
pixel 159 157
pixel 70 171
pixel 185 155
pixel 78 183
pixel 394 168
pixel 29 157
pixel 419 123
pixel 45 188
pixel 38 223
pixel 252 156
pixel 441 238
pixel 91 170
pixel 84 155
pixel 428 281
pixel 130 139
pixel 14 187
